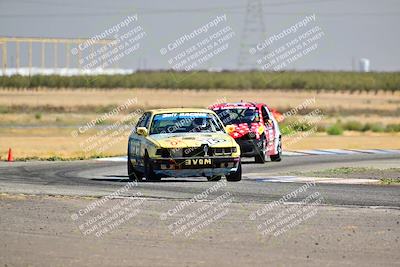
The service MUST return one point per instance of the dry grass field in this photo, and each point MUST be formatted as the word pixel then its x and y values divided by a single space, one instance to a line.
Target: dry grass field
pixel 147 98
pixel 53 114
pixel 54 142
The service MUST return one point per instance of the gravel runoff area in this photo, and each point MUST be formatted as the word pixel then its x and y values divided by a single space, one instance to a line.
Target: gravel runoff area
pixel 40 231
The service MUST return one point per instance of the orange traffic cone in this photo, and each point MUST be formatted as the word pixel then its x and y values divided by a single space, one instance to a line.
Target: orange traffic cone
pixel 10 155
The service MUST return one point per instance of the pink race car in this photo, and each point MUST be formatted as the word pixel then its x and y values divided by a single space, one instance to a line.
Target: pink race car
pixel 254 127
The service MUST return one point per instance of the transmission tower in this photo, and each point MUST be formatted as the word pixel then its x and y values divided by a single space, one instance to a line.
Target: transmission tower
pixel 253 33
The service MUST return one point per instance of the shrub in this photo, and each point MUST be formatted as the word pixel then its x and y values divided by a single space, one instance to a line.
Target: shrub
pixel 335 129
pixel 367 127
pixel 312 80
pixel 300 126
pixel 375 127
pixel 378 127
pixel 286 128
pixel 353 126
pixel 393 128
pixel 321 128
pixel 38 115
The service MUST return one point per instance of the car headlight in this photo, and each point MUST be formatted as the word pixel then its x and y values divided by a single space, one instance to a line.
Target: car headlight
pixel 224 151
pixel 175 152
pixel 169 152
pixel 252 135
pixel 163 152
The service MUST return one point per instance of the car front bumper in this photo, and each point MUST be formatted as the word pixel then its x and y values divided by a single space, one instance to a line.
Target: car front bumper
pixel 248 148
pixel 194 167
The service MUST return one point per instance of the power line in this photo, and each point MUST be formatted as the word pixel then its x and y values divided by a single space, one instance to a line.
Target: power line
pixel 253 32
pixel 228 9
pixel 99 14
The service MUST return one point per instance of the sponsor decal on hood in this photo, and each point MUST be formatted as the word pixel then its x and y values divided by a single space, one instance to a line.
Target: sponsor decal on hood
pixel 242 129
pixel 193 140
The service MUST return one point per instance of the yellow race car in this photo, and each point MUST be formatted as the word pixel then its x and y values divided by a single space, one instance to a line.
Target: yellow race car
pixel 182 142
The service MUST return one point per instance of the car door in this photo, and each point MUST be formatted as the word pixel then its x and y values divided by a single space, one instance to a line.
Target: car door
pixel 137 143
pixel 269 129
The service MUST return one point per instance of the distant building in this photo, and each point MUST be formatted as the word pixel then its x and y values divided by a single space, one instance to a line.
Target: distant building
pixel 364 65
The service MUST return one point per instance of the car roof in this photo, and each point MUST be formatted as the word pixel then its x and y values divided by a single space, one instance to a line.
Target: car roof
pixel 236 105
pixel 179 110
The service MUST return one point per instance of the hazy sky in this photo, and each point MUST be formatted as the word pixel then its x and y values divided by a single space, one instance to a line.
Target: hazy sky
pixel 352 29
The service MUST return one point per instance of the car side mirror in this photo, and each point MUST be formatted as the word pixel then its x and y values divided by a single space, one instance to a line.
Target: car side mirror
pixel 142 131
pixel 229 128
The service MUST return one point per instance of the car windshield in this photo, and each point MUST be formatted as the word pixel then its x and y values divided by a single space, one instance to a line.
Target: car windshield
pixel 238 115
pixel 185 123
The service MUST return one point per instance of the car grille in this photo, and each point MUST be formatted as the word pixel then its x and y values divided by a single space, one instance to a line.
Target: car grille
pixel 195 152
pixel 223 151
pixel 199 151
pixel 248 136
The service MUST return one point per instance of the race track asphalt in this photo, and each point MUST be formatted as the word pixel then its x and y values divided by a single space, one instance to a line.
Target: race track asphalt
pixel 99 178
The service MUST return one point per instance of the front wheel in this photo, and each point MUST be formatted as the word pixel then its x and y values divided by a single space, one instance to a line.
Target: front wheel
pixel 261 149
pixel 235 176
pixel 148 170
pixel 132 173
pixel 277 157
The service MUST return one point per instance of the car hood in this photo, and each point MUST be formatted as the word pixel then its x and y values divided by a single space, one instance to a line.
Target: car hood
pixel 244 128
pixel 193 140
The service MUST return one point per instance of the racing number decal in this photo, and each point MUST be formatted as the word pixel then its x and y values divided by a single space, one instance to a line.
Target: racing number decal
pixel 212 141
pixel 175 142
pixel 269 131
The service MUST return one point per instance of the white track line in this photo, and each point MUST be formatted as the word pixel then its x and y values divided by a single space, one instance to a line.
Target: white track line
pixel 318 152
pixel 259 177
pixel 394 151
pixel 293 153
pixel 342 151
pixel 115 159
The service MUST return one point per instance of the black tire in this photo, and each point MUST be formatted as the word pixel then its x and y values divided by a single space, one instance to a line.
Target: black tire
pixel 235 176
pixel 132 173
pixel 278 157
pixel 148 170
pixel 214 178
pixel 261 149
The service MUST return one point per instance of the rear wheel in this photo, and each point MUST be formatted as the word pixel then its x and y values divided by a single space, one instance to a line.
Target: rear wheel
pixel 261 149
pixel 235 176
pixel 214 178
pixel 148 170
pixel 277 157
